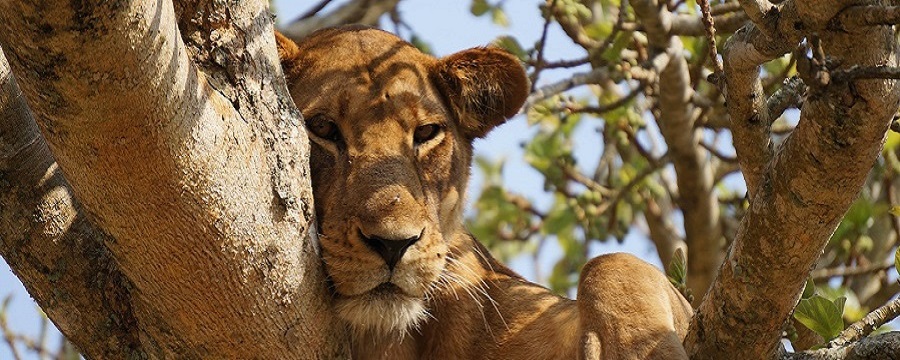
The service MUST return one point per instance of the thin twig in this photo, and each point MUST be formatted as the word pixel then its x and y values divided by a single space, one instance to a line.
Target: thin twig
pixel 608 107
pixel 573 174
pixel 9 338
pixel 315 10
pixel 561 63
pixel 544 92
pixel 718 153
pixel 867 324
pixel 725 8
pixel 539 62
pixel 709 26
pixel 850 270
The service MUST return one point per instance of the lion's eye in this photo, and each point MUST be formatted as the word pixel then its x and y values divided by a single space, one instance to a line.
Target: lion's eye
pixel 426 132
pixel 324 128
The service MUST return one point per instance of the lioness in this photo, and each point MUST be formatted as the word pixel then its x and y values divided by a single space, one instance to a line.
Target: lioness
pixel 392 131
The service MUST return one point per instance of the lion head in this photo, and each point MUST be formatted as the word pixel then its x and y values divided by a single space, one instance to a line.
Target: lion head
pixel 391 131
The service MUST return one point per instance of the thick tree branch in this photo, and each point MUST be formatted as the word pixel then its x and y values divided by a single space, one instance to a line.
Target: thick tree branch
pixel 803 192
pixel 882 346
pixel 49 243
pixel 759 12
pixel 790 94
pixel 155 134
pixel 696 196
pixel 857 16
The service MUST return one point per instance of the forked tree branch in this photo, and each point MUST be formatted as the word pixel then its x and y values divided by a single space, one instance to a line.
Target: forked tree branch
pixel 799 192
pixel 155 119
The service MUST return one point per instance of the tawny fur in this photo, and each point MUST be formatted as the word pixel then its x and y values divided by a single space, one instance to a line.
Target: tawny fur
pixel 449 299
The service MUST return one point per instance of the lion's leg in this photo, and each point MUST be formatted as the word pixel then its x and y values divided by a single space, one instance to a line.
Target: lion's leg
pixel 629 310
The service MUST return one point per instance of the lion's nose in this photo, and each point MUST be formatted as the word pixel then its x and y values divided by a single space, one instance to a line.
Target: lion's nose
pixel 389 250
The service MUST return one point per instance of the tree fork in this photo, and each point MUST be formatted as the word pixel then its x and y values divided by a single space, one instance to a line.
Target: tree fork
pixel 801 192
pixel 190 155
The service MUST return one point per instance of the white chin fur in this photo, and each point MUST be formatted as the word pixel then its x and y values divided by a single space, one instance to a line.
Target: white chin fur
pixel 381 315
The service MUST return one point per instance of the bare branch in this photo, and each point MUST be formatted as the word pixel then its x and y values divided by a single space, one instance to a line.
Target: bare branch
pixel 314 10
pixel 610 106
pixel 542 44
pixel 561 63
pixel 710 29
pixel 790 94
pixel 353 12
pixel 850 270
pixel 661 231
pixel 868 324
pixel 593 77
pixel 882 346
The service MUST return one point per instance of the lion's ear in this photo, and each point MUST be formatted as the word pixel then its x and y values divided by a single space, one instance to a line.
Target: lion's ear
pixel 485 86
pixel 288 52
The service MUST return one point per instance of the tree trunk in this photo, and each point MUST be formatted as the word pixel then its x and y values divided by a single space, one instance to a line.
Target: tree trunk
pixel 185 148
pixel 801 190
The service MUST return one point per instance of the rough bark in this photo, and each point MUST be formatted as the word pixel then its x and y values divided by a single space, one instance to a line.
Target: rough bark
pixel 190 155
pixel 696 196
pixel 54 249
pixel 801 193
pixel 879 347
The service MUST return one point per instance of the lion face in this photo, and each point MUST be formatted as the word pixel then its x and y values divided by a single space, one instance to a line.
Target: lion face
pixel 391 131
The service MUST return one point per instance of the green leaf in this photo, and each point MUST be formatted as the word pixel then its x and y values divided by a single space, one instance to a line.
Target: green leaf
pixel 512 45
pixel 420 44
pixel 559 219
pixel 897 261
pixel 677 271
pixel 809 290
pixel 893 140
pixel 499 17
pixel 895 210
pixel 822 316
pixel 479 7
